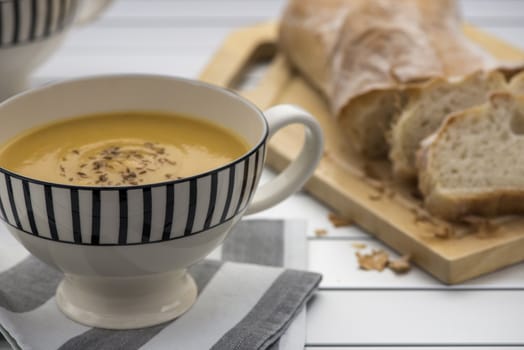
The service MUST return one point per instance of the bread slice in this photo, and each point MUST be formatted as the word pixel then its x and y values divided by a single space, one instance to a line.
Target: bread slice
pixel 516 85
pixel 474 164
pixel 426 110
pixel 363 54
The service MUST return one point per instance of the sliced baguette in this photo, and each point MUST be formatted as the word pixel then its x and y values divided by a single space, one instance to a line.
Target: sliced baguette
pixel 427 108
pixel 474 164
pixel 516 84
pixel 363 54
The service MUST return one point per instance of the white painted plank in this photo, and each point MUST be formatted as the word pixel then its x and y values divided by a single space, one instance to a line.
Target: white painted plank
pixel 230 9
pixel 147 38
pixel 198 8
pixel 387 347
pixel 492 8
pixel 418 318
pixel 337 262
pixel 73 66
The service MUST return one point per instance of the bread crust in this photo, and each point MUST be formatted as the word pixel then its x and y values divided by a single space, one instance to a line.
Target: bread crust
pixel 453 208
pixel 516 85
pixel 354 51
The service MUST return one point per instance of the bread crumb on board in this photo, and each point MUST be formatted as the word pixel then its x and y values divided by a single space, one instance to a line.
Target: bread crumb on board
pixel 438 230
pixel 339 221
pixel 358 245
pixel 481 226
pixel 382 189
pixel 377 186
pixel 379 259
pixel 375 197
pixel 400 265
pixel 320 232
pixel 370 171
pixel 444 232
pixel 421 216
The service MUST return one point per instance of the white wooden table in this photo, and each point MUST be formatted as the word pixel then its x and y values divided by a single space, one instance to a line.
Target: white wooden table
pixel 353 309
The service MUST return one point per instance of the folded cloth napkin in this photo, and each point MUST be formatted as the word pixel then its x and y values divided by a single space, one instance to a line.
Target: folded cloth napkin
pixel 247 300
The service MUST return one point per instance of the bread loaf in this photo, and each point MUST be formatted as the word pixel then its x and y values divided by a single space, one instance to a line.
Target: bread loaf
pixel 362 54
pixel 473 164
pixel 427 108
pixel 516 85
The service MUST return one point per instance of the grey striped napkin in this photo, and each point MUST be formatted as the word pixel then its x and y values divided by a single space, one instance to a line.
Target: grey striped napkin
pixel 247 300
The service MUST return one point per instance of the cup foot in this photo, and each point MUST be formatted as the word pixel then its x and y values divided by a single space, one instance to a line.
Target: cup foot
pixel 126 303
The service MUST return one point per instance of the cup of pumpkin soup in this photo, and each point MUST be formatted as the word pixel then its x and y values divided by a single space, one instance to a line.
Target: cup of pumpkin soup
pixel 124 181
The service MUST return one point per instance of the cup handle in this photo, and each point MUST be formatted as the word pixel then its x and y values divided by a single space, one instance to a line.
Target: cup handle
pixel 299 170
pixel 89 10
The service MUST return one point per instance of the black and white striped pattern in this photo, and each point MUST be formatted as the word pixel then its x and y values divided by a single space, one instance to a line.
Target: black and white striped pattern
pixel 26 21
pixel 121 216
pixel 270 317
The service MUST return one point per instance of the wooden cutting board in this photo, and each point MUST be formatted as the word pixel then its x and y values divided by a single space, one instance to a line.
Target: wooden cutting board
pixel 363 190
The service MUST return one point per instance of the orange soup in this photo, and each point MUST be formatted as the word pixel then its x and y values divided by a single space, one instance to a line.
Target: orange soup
pixel 121 149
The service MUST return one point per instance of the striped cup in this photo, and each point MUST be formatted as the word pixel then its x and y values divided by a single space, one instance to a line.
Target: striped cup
pixel 145 234
pixel 30 30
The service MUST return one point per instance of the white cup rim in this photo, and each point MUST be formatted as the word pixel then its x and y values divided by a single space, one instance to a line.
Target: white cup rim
pixel 225 91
